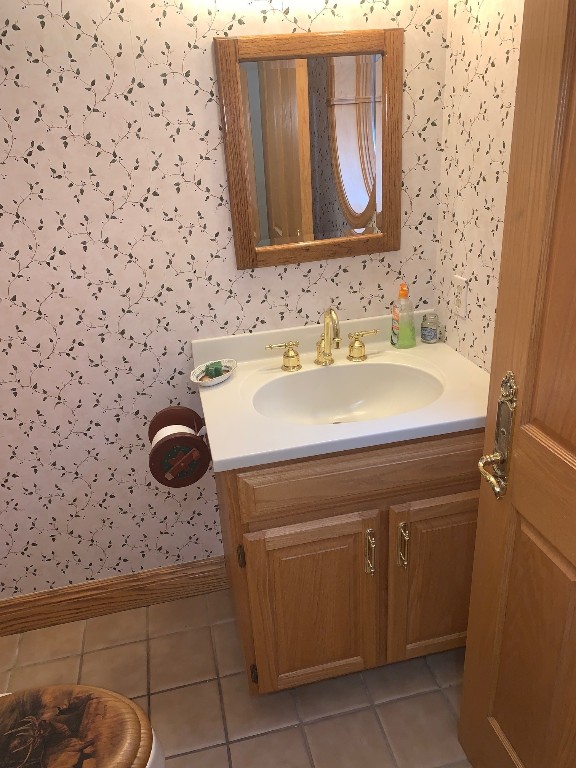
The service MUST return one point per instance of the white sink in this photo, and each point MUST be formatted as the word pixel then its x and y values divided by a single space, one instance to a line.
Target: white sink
pixel 356 392
pixel 262 414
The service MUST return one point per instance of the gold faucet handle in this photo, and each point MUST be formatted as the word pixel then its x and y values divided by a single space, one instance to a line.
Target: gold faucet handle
pixel 357 348
pixel 290 358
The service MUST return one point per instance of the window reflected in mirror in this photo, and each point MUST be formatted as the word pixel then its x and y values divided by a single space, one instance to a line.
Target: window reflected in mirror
pixel 314 132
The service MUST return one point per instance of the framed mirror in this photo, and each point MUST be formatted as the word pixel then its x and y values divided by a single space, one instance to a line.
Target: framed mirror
pixel 312 138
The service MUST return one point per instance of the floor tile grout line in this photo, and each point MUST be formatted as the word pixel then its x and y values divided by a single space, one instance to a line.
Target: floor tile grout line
pixel 117 645
pixel 148 666
pixel 239 740
pixel 431 668
pixel 379 721
pixel 406 696
pixel 13 667
pixel 82 646
pixel 178 631
pixel 302 728
pixel 17 654
pixel 192 752
pixel 450 705
pixel 323 719
pixel 457 763
pixel 307 745
pixel 216 622
pixel 83 652
pixel 339 713
pixel 220 693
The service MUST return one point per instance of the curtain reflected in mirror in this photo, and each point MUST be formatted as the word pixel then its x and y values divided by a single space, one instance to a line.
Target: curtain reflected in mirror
pixel 314 160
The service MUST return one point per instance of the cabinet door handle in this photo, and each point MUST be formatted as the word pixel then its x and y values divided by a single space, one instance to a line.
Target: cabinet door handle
pixel 403 539
pixel 370 552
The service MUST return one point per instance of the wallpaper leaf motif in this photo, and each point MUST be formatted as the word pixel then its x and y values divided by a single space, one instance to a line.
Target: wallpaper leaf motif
pixel 116 250
pixel 483 43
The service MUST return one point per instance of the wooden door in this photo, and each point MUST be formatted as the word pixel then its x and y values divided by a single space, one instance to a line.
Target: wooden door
pixel 313 604
pixel 286 145
pixel 519 698
pixel 429 574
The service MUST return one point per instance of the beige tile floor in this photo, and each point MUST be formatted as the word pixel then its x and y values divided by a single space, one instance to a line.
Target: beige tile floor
pixel 181 662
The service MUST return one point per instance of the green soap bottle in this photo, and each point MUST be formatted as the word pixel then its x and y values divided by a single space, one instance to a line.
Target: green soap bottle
pixel 403 332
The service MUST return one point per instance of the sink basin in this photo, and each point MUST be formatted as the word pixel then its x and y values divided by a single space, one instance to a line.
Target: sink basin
pixel 262 415
pixel 347 393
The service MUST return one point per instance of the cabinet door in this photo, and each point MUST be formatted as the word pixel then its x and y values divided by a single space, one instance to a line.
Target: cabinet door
pixel 429 574
pixel 313 599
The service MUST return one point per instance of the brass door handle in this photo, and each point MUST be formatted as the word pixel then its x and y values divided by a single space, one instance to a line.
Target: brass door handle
pixel 403 539
pixel 370 552
pixel 504 426
pixel 498 485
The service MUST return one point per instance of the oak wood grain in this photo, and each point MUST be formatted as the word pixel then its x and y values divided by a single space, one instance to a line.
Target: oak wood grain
pixel 103 596
pixel 296 46
pixel 428 599
pixel 541 584
pixel 232 538
pixel 314 607
pixel 235 151
pixel 326 482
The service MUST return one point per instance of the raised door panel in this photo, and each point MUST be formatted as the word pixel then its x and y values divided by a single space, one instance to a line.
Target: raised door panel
pixel 313 601
pixel 430 572
pixel 534 689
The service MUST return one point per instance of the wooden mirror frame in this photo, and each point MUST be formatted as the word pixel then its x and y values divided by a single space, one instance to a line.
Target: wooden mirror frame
pixel 230 52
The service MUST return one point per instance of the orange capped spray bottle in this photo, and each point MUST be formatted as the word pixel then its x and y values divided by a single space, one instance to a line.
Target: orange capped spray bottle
pixel 403 332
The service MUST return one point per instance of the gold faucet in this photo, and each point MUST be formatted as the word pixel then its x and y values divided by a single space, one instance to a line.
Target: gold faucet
pixel 331 335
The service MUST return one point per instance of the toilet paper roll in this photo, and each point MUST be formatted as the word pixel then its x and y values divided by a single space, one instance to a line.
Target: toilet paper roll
pixel 173 429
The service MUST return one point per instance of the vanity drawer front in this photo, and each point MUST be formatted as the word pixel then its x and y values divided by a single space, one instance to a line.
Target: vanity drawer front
pixel 325 483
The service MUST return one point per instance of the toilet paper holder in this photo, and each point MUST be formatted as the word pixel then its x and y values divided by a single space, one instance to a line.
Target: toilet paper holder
pixel 179 451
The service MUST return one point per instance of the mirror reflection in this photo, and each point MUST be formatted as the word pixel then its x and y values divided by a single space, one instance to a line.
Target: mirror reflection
pixel 314 160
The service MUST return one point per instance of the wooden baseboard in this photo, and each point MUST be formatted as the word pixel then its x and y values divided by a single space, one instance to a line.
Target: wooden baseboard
pixel 120 593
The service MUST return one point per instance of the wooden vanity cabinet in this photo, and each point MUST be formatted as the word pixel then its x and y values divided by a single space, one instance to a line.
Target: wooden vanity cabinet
pixel 311 557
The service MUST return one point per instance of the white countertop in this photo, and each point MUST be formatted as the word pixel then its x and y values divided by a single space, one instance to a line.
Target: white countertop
pixel 241 437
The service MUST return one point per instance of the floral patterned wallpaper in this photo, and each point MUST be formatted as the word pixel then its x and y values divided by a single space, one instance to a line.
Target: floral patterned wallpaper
pixel 116 251
pixel 483 45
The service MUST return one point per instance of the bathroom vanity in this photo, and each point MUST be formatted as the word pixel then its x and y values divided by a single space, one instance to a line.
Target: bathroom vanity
pixel 349 541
